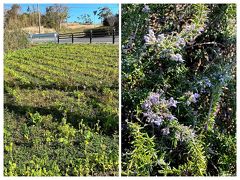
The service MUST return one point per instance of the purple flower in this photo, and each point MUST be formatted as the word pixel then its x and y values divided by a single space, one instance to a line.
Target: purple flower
pixel 177 57
pixel 193 26
pixel 201 29
pixel 171 117
pixel 193 97
pixel 158 121
pixel 173 57
pixel 165 131
pixel 221 78
pixel 196 95
pixel 190 27
pixel 180 41
pixel 146 8
pixel 151 32
pixel 208 83
pixel 154 98
pixel 172 102
pixel 146 105
pixel 153 118
pixel 150 37
pixel 205 82
pixel 188 102
pixel 146 39
pixel 160 38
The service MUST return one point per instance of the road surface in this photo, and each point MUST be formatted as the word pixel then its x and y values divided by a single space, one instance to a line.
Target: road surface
pixel 52 37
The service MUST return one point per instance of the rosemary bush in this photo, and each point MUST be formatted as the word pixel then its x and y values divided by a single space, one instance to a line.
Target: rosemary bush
pixel 178 89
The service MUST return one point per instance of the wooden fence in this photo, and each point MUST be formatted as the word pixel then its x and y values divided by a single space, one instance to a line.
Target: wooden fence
pixel 80 35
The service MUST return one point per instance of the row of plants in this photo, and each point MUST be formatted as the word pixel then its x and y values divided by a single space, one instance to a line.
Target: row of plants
pixel 41 146
pixel 61 112
pixel 61 70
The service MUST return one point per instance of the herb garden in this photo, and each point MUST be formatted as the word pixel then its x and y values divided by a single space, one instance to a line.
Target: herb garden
pixel 61 111
pixel 179 90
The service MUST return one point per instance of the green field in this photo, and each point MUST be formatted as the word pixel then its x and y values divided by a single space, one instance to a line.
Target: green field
pixel 61 110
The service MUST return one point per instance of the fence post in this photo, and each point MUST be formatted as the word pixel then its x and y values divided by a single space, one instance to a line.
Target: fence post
pixel 90 36
pixel 72 37
pixel 113 35
pixel 58 38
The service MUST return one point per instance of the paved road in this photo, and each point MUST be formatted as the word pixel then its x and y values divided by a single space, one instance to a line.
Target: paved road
pixel 94 40
pixel 52 37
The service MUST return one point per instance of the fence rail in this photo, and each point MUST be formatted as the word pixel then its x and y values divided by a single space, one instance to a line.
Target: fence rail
pixel 78 35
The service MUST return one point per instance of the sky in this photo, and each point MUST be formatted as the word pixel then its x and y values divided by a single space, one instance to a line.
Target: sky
pixel 75 10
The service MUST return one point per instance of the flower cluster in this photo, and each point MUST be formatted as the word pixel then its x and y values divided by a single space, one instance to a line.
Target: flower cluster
pixel 151 38
pixel 192 27
pixel 192 31
pixel 205 83
pixel 156 109
pixel 146 9
pixel 177 57
pixel 192 97
pixel 184 133
pixel 180 42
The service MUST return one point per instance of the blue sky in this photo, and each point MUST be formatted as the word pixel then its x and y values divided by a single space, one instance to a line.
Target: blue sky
pixel 75 10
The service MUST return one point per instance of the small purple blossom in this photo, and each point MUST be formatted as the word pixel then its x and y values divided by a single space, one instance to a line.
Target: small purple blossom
pixel 176 57
pixel 196 95
pixel 171 117
pixel 158 121
pixel 160 38
pixel 156 109
pixel 188 102
pixel 193 26
pixel 146 9
pixel 146 105
pixel 205 82
pixel 165 131
pixel 151 32
pixel 150 37
pixel 180 42
pixel 179 56
pixel 221 78
pixel 172 102
pixel 193 97
pixel 190 27
pixel 153 118
pixel 208 83
pixel 146 39
pixel 154 98
pixel 201 29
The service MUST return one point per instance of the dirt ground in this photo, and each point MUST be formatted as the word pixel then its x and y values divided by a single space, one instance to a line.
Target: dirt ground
pixel 66 27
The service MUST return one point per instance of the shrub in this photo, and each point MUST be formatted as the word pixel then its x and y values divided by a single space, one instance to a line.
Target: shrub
pixel 14 39
pixel 178 71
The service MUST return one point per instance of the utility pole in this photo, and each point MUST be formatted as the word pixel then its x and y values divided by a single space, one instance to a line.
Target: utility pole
pixel 39 19
pixel 94 12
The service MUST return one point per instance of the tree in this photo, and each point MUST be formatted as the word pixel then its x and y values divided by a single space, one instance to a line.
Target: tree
pixel 104 13
pixel 10 16
pixel 111 21
pixel 85 19
pixel 56 15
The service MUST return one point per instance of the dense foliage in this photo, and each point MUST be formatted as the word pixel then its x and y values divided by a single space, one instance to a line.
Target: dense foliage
pixel 61 110
pixel 178 89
